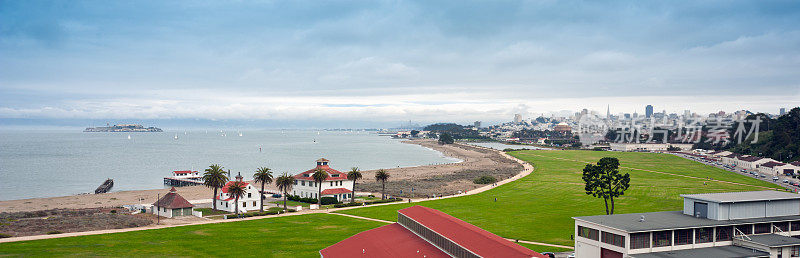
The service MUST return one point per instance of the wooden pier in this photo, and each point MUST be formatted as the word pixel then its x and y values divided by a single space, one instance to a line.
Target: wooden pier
pixel 171 181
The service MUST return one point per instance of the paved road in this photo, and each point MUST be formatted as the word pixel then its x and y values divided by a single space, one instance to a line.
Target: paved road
pixel 766 178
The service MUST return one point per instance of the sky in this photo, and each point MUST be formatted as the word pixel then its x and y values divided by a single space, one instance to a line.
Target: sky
pixel 382 63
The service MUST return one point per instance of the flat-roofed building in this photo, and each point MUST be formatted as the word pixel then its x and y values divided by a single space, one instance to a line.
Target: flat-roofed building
pixel 739 224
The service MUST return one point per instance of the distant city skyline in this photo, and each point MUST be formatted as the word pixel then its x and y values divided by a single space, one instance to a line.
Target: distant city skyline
pixel 379 63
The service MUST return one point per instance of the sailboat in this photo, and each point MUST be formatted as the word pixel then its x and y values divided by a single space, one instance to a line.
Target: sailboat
pixel 129 137
pixel 240 134
pixel 176 136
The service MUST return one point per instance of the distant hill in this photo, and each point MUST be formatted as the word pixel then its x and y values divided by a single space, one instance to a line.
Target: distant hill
pixel 778 139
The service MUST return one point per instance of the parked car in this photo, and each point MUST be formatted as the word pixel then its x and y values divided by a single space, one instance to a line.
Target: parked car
pixel 775 178
pixel 549 254
pixel 785 181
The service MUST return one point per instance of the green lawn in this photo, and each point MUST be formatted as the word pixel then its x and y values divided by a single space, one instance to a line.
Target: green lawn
pixel 544 248
pixel 293 236
pixel 540 206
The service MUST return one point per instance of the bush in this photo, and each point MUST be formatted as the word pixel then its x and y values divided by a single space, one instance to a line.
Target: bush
pixel 485 180
pixel 54 232
pixel 349 204
pixel 325 200
pixel 113 211
pixel 252 214
pixel 4 235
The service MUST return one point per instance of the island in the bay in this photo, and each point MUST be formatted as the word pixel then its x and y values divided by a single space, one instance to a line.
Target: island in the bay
pixel 123 128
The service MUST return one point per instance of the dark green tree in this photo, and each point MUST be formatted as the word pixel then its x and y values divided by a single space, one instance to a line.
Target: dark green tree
pixel 445 138
pixel 214 177
pixel 262 176
pixel 319 177
pixel 604 180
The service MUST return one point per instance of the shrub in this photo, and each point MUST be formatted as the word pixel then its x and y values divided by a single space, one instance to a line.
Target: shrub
pixel 54 232
pixel 113 211
pixel 485 180
pixel 4 235
pixel 349 204
pixel 325 200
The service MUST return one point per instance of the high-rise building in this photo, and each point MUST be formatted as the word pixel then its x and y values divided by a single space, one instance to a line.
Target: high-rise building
pixel 608 112
pixel 687 114
pixel 783 111
pixel 648 111
pixel 517 118
pixel 477 124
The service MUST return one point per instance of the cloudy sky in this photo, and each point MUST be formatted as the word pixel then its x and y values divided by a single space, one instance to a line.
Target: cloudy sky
pixel 384 62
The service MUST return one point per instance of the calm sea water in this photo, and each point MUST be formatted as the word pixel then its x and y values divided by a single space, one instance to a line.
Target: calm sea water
pixel 57 163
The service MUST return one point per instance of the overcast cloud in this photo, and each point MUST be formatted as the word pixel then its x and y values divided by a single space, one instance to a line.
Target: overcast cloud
pixel 391 61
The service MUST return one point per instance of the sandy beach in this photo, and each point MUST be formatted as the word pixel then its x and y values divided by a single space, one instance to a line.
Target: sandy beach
pixel 427 180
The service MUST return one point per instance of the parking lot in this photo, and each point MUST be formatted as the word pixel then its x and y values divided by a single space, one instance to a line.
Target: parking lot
pixel 788 182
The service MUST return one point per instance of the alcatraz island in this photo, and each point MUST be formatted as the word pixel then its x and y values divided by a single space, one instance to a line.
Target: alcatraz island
pixel 123 128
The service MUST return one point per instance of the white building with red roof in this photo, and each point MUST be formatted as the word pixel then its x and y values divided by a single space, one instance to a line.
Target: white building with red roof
pixel 336 185
pixel 424 232
pixel 185 174
pixel 248 202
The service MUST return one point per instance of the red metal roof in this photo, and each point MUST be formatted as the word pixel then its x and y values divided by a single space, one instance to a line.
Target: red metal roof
pixel 335 191
pixel 391 240
pixel 796 163
pixel 172 200
pixel 225 188
pixel 479 241
pixel 333 174
pixel 183 171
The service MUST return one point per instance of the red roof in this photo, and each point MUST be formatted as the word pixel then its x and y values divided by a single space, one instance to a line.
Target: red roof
pixel 335 191
pixel 796 163
pixel 333 174
pixel 184 172
pixel 391 240
pixel 479 241
pixel 772 164
pixel 750 158
pixel 225 188
pixel 172 200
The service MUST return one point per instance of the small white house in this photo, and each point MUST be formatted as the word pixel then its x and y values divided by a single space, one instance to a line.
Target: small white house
pixel 172 205
pixel 185 174
pixel 248 202
pixel 336 185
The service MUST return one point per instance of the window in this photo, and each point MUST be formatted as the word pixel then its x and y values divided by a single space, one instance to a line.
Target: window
pixel 254 203
pixel 295 182
pixel 640 240
pixel 589 233
pixel 795 251
pixel 763 228
pixel 704 235
pixel 613 239
pixel 744 229
pixel 783 226
pixel 683 237
pixel 795 225
pixel 244 204
pixel 724 233
pixel 303 183
pixel 662 238
pixel 249 195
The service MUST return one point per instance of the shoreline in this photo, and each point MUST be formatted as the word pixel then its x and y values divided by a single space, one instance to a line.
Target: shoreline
pixel 472 158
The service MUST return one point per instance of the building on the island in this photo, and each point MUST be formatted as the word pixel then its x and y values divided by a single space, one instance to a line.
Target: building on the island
pixel 172 205
pixel 425 232
pixel 336 185
pixel 734 224
pixel 719 154
pixel 616 146
pixel 248 202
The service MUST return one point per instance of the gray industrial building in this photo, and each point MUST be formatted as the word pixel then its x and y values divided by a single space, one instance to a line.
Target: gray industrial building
pixel 739 224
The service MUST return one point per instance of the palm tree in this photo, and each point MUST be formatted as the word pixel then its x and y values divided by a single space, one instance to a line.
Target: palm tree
pixel 382 176
pixel 354 175
pixel 263 176
pixel 215 177
pixel 319 177
pixel 236 190
pixel 284 184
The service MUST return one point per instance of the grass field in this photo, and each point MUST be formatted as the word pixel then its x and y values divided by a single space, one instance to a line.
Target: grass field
pixel 293 236
pixel 540 206
pixel 292 203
